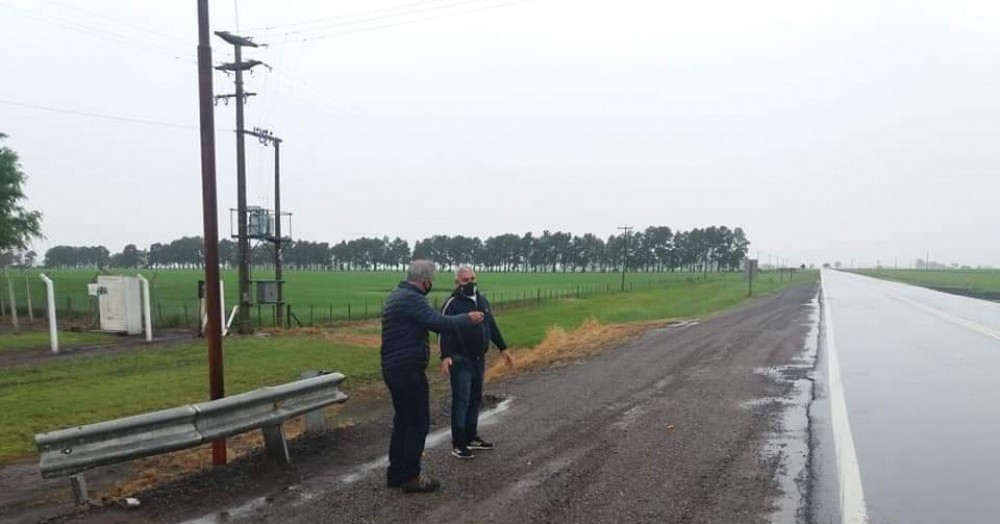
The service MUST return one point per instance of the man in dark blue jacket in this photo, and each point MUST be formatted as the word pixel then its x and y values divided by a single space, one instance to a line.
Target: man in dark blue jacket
pixel 463 358
pixel 406 318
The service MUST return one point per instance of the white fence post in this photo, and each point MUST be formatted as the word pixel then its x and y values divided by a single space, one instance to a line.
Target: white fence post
pixel 145 308
pixel 50 296
pixel 13 300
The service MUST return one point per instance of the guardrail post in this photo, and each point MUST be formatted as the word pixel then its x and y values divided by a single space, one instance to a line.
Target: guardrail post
pixel 316 419
pixel 79 485
pixel 277 446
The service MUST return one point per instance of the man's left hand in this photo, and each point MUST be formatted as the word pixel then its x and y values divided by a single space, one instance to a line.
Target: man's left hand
pixel 507 357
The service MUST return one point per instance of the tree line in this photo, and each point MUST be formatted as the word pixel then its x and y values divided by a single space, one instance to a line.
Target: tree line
pixel 657 248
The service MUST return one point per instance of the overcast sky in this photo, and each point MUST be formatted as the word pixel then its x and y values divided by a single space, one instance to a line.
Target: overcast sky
pixel 827 130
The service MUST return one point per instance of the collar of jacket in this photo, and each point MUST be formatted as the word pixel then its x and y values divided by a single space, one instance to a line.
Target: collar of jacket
pixel 457 293
pixel 404 284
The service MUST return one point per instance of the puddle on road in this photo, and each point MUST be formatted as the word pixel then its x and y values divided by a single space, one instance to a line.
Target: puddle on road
pixel 677 325
pixel 434 440
pixel 296 495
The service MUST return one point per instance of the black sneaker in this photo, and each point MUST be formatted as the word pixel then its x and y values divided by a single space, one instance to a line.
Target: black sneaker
pixel 393 483
pixel 421 484
pixel 478 443
pixel 462 452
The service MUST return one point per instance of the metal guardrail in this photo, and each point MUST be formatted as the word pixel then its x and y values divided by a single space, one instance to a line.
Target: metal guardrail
pixel 75 450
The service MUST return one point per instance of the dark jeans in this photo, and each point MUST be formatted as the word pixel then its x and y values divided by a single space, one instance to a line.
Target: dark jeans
pixel 410 424
pixel 466 396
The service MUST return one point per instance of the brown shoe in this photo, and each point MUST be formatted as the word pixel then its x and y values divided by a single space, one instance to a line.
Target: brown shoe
pixel 421 484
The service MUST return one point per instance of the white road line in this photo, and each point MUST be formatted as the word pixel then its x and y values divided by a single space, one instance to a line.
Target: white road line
pixel 968 324
pixel 852 496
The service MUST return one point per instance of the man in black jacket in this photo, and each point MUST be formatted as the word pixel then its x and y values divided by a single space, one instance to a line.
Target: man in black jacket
pixel 406 318
pixel 463 357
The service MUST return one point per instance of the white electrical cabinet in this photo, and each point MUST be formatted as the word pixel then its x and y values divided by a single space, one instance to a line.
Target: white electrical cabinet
pixel 120 301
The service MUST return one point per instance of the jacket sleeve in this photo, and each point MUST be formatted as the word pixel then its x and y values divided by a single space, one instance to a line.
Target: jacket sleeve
pixel 495 335
pixel 448 339
pixel 425 315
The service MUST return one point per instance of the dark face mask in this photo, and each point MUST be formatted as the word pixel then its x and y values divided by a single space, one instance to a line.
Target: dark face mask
pixel 430 285
pixel 468 289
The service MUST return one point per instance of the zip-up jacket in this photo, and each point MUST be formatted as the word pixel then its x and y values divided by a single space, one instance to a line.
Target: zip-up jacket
pixel 471 340
pixel 406 318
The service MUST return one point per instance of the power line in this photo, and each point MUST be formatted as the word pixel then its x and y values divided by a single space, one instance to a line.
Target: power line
pixel 99 32
pixel 143 28
pixel 98 115
pixel 352 14
pixel 362 25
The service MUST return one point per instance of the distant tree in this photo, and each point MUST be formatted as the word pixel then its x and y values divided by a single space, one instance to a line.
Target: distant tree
pixel 18 226
pixel 228 253
pixel 131 257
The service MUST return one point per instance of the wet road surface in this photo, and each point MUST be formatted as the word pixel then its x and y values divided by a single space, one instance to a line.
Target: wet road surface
pixel 918 384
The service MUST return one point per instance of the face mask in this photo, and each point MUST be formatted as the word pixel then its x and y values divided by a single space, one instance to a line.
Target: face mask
pixel 430 285
pixel 469 289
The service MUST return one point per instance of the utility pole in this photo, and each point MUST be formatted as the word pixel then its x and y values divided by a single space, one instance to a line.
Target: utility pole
pixel 625 253
pixel 237 68
pixel 210 219
pixel 265 138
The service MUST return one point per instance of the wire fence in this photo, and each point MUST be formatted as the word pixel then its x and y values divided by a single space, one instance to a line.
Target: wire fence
pixel 74 311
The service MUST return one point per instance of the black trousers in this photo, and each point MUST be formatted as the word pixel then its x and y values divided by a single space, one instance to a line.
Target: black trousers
pixel 412 421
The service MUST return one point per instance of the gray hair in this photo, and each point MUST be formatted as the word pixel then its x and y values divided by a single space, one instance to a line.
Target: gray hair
pixel 420 270
pixel 462 269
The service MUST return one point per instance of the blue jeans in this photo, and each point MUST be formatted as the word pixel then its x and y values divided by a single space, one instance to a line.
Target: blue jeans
pixel 412 421
pixel 466 396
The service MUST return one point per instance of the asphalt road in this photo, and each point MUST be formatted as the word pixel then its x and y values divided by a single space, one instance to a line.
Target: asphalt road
pixel 910 433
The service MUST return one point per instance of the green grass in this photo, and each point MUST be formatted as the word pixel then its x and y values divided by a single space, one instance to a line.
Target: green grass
pixel 80 391
pixel 63 393
pixel 40 339
pixel 527 327
pixel 976 280
pixel 316 297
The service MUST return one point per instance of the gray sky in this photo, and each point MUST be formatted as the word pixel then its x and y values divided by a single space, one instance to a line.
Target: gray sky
pixel 829 131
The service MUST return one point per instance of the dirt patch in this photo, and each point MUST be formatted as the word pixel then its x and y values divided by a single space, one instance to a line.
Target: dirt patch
pixel 35 356
pixel 357 334
pixel 561 346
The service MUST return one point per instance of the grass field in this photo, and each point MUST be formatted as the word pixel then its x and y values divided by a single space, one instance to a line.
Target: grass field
pixel 322 296
pixel 61 393
pixel 975 280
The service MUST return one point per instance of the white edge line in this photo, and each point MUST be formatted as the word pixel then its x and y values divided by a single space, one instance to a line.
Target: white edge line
pixel 852 497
